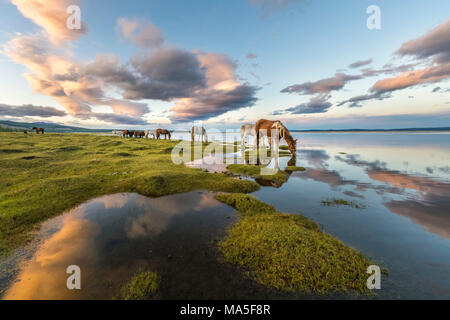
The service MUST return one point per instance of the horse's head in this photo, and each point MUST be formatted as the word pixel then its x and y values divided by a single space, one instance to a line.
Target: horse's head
pixel 292 145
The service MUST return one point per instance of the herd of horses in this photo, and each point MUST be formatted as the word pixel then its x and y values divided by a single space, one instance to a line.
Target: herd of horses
pixel 156 134
pixel 273 130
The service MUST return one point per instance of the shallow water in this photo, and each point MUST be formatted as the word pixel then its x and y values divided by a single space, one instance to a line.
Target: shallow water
pixel 398 185
pixel 403 182
pixel 113 237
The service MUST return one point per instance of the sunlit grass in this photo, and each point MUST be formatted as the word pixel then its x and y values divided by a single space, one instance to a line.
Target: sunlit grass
pixel 289 252
pixel 42 176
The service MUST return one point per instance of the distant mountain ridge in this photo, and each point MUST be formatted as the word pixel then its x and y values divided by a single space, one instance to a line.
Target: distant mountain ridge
pixel 49 127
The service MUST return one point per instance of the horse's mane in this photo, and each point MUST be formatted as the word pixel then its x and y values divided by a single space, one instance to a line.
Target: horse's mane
pixel 285 134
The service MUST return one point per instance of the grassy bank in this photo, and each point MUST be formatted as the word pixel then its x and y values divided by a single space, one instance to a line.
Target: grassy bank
pixel 45 175
pixel 142 286
pixel 289 252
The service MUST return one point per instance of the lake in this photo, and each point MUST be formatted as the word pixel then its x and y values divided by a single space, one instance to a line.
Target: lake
pixel 402 181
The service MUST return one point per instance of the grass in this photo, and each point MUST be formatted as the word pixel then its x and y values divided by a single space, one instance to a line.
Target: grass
pixel 254 171
pixel 341 202
pixel 45 175
pixel 142 286
pixel 294 168
pixel 6 129
pixel 289 252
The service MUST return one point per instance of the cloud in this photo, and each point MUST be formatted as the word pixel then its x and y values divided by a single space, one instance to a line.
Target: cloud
pixel 52 16
pixel 435 43
pixel 355 101
pixel 141 32
pixel 167 74
pixel 251 56
pixel 412 78
pixel 317 104
pixel 46 65
pixel 359 64
pixel 223 91
pixel 125 107
pixel 30 110
pixel 202 85
pixel 74 86
pixel 322 86
pixel 211 103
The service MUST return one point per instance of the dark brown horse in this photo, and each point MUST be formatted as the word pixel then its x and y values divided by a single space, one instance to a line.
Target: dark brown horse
pixel 125 133
pixel 267 127
pixel 39 130
pixel 139 134
pixel 164 132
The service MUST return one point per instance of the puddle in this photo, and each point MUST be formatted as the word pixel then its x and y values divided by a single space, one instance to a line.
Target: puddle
pixel 113 237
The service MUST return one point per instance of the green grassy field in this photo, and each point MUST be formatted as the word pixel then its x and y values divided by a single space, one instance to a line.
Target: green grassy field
pixel 45 175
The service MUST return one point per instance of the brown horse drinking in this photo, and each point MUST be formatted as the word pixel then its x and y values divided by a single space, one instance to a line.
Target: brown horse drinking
pixel 164 132
pixel 267 127
pixel 39 130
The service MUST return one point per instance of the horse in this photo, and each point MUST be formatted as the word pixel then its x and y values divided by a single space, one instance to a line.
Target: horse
pixel 116 133
pixel 265 127
pixel 246 130
pixel 39 130
pixel 150 132
pixel 140 134
pixel 126 133
pixel 198 131
pixel 164 132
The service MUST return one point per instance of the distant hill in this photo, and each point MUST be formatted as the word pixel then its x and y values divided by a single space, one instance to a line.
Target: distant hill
pixel 49 127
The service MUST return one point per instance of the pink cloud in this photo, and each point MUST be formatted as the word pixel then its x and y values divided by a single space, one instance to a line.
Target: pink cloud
pixel 140 32
pixel 52 16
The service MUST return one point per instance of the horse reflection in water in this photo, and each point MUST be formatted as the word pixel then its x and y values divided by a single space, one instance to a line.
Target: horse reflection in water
pixel 270 165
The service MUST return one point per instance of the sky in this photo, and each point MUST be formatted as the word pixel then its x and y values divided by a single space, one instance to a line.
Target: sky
pixel 313 64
